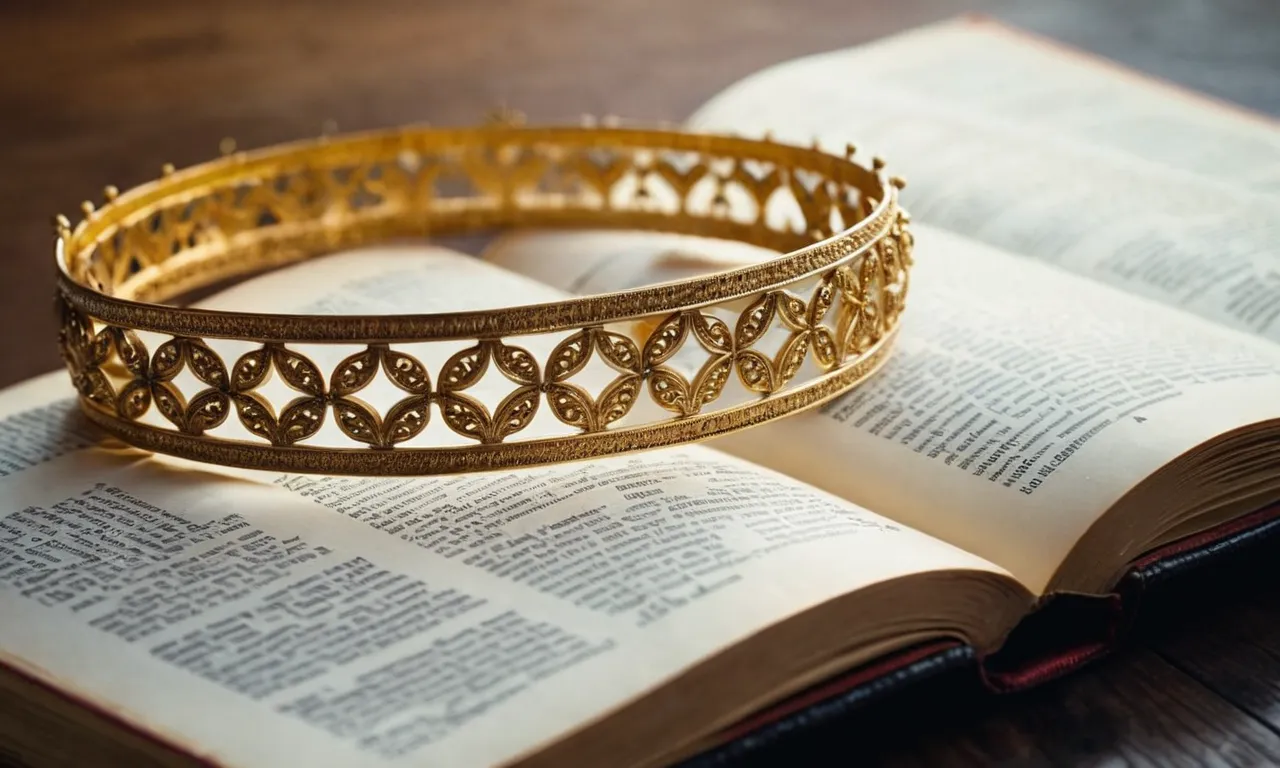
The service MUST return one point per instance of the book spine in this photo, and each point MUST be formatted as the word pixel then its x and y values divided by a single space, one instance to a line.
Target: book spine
pixel 1069 631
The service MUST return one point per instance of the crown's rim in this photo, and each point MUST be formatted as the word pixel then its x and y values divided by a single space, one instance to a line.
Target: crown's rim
pixel 601 308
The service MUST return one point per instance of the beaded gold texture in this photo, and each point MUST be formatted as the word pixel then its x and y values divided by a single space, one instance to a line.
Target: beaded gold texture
pixel 836 292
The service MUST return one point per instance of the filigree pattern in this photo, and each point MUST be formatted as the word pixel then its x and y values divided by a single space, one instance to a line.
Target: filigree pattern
pixel 852 253
pixel 572 404
pixel 360 421
pixel 668 386
pixel 85 352
pixel 469 417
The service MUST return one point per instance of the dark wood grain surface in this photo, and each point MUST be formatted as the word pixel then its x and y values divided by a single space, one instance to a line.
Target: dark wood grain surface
pixel 93 93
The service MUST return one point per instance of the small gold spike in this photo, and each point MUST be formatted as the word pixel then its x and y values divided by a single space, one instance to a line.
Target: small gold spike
pixel 877 163
pixel 61 225
pixel 768 136
pixel 110 192
pixel 850 150
pixel 167 169
pixel 816 144
pixel 226 146
pixel 611 121
pixel 898 181
pixel 504 116
pixel 587 121
pixel 87 207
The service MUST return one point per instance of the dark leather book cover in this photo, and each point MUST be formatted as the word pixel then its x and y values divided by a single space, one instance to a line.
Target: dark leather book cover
pixel 1065 634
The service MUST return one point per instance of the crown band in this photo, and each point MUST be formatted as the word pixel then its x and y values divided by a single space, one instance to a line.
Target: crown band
pixel 714 354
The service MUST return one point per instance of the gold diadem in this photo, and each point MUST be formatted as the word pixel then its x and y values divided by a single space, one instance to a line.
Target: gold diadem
pixel 582 377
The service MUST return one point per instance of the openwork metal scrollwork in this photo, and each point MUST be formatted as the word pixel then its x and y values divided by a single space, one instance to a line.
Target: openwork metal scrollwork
pixel 783 335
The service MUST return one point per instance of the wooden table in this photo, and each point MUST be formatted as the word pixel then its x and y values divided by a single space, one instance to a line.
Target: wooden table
pixel 98 93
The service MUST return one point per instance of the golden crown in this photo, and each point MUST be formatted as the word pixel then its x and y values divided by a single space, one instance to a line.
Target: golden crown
pixel 797 330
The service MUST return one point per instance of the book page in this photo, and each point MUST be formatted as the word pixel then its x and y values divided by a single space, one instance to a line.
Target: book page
pixel 1151 193
pixel 265 620
pixel 983 67
pixel 1018 405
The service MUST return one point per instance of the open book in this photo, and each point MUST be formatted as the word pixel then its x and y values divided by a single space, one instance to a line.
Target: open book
pixel 1036 432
